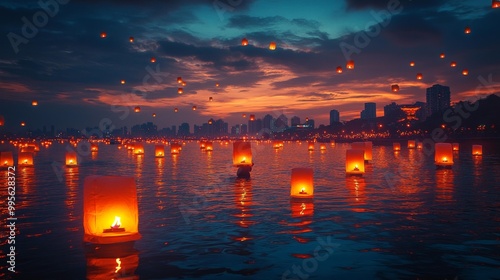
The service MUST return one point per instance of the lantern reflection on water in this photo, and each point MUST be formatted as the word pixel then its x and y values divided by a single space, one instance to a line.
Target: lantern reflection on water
pixel 355 162
pixel 71 159
pixel 443 154
pixel 302 208
pixel 477 150
pixel 112 261
pixel 159 151
pixel 110 211
pixel 302 185
pixel 25 159
pixel 6 159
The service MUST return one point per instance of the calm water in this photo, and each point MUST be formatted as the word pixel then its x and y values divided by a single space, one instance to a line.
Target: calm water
pixel 402 220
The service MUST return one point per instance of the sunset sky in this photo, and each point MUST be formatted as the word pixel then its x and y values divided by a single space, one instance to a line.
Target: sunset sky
pixel 75 75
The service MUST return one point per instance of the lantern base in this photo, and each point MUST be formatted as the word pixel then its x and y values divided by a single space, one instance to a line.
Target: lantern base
pixel 244 171
pixel 354 173
pixel 112 237
pixel 441 165
pixel 301 198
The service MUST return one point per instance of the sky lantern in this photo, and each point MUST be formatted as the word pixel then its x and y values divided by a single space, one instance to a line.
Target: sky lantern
pixel 183 83
pixel 467 30
pixel 154 115
pixel 180 90
pixel 23 123
pixel 209 146
pixel 244 115
pixel 159 151
pixel 355 162
pixel 122 82
pixel 477 150
pixel 194 108
pixel 137 109
pixel 210 121
pixel 2 120
pixel 420 76
pixel 396 147
pixel 217 84
pixel 272 46
pixel 465 72
pixel 302 183
pixel 94 147
pixel 310 146
pixel 442 55
pixel 453 64
pixel 242 154
pixel 34 103
pixel 138 149
pixel 104 35
pixel 179 80
pixel 276 144
pixel 210 98
pixel 244 42
pixel 110 210
pixel 131 39
pixel 411 144
pixel 71 159
pixel 176 110
pixel 153 60
pixel 420 145
pixel 395 88
pixel 455 147
pixel 350 64
pixel 6 159
pixel 412 63
pixel 25 159
pixel 495 4
pixel 251 118
pixel 339 69
pixel 443 154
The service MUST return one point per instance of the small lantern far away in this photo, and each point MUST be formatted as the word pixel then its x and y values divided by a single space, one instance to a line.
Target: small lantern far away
pixel 110 210
pixel 71 159
pixel 23 123
pixel 322 147
pixel 355 162
pixel 194 108
pixel 442 55
pixel 477 150
pixel 93 147
pixel 251 118
pixel 396 147
pixel 350 64
pixel 25 159
pixel 2 120
pixel 495 4
pixel 412 63
pixel 137 109
pixel 209 146
pixel 175 148
pixel 179 80
pixel 467 30
pixel 203 145
pixel 455 147
pixel 159 151
pixel 465 72
pixel 272 46
pixel 153 60
pixel 395 88
pixel 339 69
pixel 6 159
pixel 411 144
pixel 242 154
pixel 420 145
pixel 443 154
pixel 180 90
pixel 131 39
pixel 420 76
pixel 104 35
pixel 310 146
pixel 34 103
pixel 453 64
pixel 122 82
pixel 176 110
pixel 217 84
pixel 276 144
pixel 138 149
pixel 210 98
pixel 244 42
pixel 302 183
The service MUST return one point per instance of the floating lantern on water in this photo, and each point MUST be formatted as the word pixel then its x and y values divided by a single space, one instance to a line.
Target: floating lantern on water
pixel 244 42
pixel 108 266
pixel 455 146
pixel 71 159
pixel 25 159
pixel 420 145
pixel 209 146
pixel 302 183
pixel 272 46
pixel 396 147
pixel 355 162
pixel 93 147
pixel 420 76
pixel 350 64
pixel 367 148
pixel 159 151
pixel 138 149
pixel 443 154
pixel 276 144
pixel 175 148
pixel 202 145
pixel 242 158
pixel 34 103
pixel 110 211
pixel 332 143
pixel 395 88
pixel 477 150
pixel 339 70
pixel 137 109
pixel 467 30
pixel 411 144
pixel 6 159
pixel 310 146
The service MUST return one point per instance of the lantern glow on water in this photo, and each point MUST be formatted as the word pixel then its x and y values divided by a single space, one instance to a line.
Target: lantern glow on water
pixel 420 145
pixel 242 154
pixel 25 159
pixel 443 154
pixel 455 147
pixel 355 162
pixel 6 159
pixel 302 208
pixel 159 151
pixel 110 210
pixel 322 147
pixel 94 147
pixel 477 150
pixel 71 159
pixel 138 149
pixel 310 146
pixel 175 148
pixel 301 183
pixel 396 147
pixel 367 148
pixel 411 144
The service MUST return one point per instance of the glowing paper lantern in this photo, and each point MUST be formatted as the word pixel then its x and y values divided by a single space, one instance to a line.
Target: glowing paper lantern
pixel 322 147
pixel 194 108
pixel 138 149
pixel 465 72
pixel 251 118
pixel 180 90
pixel 455 147
pixel 137 109
pixel 176 110
pixel 396 147
pixel 217 84
pixel 179 80
pixel 210 98
pixel 272 46
pixel 442 55
pixel 477 150
pixel 339 69
pixel 244 42
pixel 71 159
pixel 420 145
pixel 6 159
pixel 154 115
pixel 310 146
pixel 302 183
pixel 34 103
pixel 209 146
pixel 350 64
pixel 25 159
pixel 276 144
pixel 110 211
pixel 443 154
pixel 104 35
pixel 467 30
pixel 395 88
pixel 23 123
pixel 453 64
pixel 355 162
pixel 122 82
pixel 159 151
pixel 202 145
pixel 2 120
pixel 420 76
pixel 175 148
pixel 367 148
pixel 242 154
pixel 244 115
pixel 412 63
pixel 131 39
pixel 94 147
pixel 411 144
pixel 153 60
pixel 27 149
pixel 495 4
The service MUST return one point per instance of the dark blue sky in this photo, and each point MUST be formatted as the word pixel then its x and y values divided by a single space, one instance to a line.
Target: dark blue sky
pixel 53 53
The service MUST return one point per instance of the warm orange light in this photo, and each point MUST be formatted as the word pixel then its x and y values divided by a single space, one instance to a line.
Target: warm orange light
pixel 477 150
pixel 443 154
pixel 194 108
pixel 131 39
pixel 153 60
pixel 411 144
pixel 412 63
pixel 495 4
pixel 175 148
pixel 420 145
pixel 251 118
pixel 350 64
pixel 455 146
pixel 104 35
pixel 23 124
pixel 367 148
pixel 210 98
pixel 179 80
pixel 25 159
pixel 116 223
pixel 396 147
pixel 2 120
pixel 94 147
pixel 242 153
pixel 176 110
pixel 442 55
pixel 302 183
pixel 420 76
pixel 209 146
pixel 122 82
pixel 180 90
pixel 465 72
pixel 244 42
pixel 138 149
pixel 34 103
pixel 339 69
pixel 71 159
pixel 217 84
pixel 272 46
pixel 137 109
pixel 6 158
pixel 322 147
pixel 159 151
pixel 355 162
pixel 453 64
pixel 310 146
pixel 395 88
pixel 467 30
pixel 154 115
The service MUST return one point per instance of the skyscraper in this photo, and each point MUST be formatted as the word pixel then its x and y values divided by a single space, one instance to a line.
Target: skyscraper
pixel 370 111
pixel 437 99
pixel 295 121
pixel 334 116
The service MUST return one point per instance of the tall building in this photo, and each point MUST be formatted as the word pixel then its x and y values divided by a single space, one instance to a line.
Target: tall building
pixel 295 121
pixel 334 117
pixel 437 99
pixel 370 111
pixel 183 130
pixel 267 122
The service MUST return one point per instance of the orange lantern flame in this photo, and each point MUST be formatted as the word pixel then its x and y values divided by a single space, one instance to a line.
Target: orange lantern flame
pixel 244 42
pixel 272 46
pixel 116 223
pixel 412 63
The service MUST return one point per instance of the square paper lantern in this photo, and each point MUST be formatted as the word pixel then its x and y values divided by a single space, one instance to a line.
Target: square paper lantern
pixel 310 146
pixel 110 211
pixel 302 183
pixel 322 147
pixel 355 162
pixel 6 159
pixel 71 159
pixel 242 153
pixel 420 145
pixel 411 144
pixel 209 146
pixel 455 147
pixel 276 144
pixel 175 148
pixel 94 147
pixel 203 145
pixel 138 149
pixel 159 151
pixel 477 150
pixel 25 159
pixel 443 154
pixel 396 147
pixel 366 147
